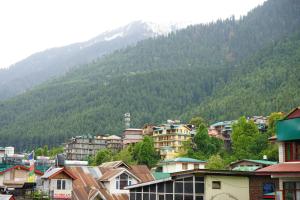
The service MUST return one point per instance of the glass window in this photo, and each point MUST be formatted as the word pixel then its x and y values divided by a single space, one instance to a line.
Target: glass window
pixel 153 188
pixel 132 196
pixel 199 197
pixel 179 187
pixel 196 166
pixel 161 187
pixel 188 187
pixel 188 197
pixel 145 196
pixel 161 197
pixel 184 166
pixel 169 187
pixel 199 187
pixel 58 184
pixel 178 197
pixel 63 184
pixel 216 185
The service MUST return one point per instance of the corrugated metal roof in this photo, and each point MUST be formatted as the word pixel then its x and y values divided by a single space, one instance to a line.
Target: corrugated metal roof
pixel 160 175
pixel 183 159
pixel 264 162
pixel 246 168
pixel 282 167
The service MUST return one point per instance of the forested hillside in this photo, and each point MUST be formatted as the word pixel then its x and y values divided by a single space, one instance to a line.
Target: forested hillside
pixel 219 70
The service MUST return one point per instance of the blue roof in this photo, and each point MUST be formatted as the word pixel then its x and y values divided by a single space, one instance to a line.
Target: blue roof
pixel 183 159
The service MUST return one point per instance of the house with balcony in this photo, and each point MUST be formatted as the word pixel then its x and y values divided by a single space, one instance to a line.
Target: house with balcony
pixel 288 169
pixel 169 138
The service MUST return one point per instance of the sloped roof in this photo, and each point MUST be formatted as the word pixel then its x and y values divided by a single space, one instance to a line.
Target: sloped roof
pixel 160 175
pixel 246 168
pixel 9 168
pixel 282 167
pixel 183 159
pixel 50 173
pixel 142 172
pixel 295 113
pixel 111 173
pixel 263 162
pixel 86 186
pixel 113 164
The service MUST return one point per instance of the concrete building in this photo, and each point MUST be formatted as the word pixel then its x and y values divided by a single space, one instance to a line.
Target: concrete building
pixel 132 136
pixel 288 169
pixel 81 147
pixel 169 138
pixel 114 142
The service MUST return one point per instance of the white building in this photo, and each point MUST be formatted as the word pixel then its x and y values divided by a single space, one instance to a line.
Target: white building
pixel 57 183
pixel 181 164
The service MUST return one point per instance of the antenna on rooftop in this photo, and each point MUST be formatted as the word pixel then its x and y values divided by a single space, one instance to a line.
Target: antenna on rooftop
pixel 127 120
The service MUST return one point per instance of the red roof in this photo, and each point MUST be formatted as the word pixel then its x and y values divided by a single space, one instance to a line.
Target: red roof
pixel 286 168
pixel 23 168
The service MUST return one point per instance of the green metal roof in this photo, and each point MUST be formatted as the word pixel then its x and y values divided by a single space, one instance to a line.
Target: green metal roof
pixel 183 159
pixel 246 168
pixel 160 175
pixel 288 129
pixel 264 162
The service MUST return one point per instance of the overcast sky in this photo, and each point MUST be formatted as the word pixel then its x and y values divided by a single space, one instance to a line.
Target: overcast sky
pixel 29 26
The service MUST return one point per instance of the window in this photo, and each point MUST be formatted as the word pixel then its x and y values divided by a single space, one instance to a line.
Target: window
pixel 122 181
pixel 118 183
pixel 292 151
pixel 61 184
pixel 196 166
pixel 184 166
pixel 216 185
pixel 291 190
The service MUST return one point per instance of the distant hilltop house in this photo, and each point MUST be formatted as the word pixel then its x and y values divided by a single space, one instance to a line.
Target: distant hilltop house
pixel 223 129
pixel 81 147
pixel 168 138
pixel 288 168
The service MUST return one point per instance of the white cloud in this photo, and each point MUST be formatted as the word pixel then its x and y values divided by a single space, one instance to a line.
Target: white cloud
pixel 34 25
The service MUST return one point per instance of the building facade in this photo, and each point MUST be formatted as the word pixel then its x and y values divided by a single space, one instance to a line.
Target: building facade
pixel 288 169
pixel 180 164
pixel 81 147
pixel 132 136
pixel 169 138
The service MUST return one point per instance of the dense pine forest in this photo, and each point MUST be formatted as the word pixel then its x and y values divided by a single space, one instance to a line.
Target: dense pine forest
pixel 221 70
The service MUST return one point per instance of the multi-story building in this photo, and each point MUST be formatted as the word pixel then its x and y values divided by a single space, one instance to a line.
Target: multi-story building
pixel 132 136
pixel 113 143
pixel 288 169
pixel 81 147
pixel 169 138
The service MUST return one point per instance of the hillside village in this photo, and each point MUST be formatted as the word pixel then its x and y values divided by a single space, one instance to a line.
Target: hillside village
pixel 72 175
pixel 200 111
